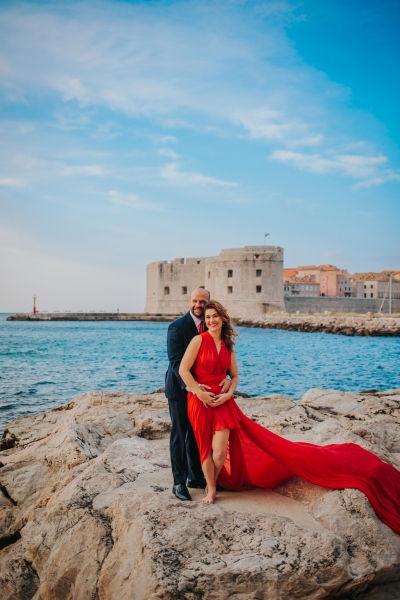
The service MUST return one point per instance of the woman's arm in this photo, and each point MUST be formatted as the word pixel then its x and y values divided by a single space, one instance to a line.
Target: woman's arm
pixel 234 373
pixel 187 363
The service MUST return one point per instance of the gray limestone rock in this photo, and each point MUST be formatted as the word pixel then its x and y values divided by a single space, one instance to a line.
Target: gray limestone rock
pixel 86 508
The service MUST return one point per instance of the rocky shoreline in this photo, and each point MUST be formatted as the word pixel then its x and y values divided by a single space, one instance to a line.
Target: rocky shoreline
pixel 342 325
pixel 86 509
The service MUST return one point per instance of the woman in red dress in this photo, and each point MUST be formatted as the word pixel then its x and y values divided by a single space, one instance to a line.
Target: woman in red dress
pixel 241 454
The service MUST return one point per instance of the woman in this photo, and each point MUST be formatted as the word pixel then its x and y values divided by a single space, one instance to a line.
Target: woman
pixel 241 454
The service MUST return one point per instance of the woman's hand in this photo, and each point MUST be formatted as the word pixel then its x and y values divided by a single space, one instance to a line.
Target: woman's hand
pixel 204 387
pixel 225 385
pixel 206 398
pixel 220 399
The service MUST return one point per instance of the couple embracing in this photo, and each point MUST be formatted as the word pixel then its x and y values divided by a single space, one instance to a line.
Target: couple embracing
pixel 214 442
pixel 188 399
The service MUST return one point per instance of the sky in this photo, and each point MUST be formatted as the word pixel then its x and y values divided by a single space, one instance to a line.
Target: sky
pixel 132 132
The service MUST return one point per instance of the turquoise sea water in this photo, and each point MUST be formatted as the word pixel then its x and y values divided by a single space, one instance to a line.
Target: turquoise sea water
pixel 43 365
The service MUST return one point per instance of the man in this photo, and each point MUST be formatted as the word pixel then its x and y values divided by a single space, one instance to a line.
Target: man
pixel 185 460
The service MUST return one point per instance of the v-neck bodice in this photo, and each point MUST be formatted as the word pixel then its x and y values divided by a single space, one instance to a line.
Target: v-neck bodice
pixel 210 365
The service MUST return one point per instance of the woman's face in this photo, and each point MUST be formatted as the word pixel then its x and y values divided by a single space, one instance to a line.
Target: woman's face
pixel 213 321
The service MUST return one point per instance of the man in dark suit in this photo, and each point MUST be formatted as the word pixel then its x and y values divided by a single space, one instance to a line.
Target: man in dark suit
pixel 185 460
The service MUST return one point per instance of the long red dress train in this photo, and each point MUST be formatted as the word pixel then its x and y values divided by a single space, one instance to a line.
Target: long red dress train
pixel 258 457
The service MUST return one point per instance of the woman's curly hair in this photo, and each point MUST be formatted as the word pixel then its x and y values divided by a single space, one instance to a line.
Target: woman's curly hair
pixel 227 333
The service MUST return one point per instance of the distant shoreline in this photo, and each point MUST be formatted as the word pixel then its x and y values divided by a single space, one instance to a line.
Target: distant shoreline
pixel 350 325
pixel 90 316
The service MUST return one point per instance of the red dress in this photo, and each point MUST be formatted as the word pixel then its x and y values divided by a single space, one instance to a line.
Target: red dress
pixel 258 457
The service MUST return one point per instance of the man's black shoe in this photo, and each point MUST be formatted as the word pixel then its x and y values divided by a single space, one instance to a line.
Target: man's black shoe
pixel 199 484
pixel 181 492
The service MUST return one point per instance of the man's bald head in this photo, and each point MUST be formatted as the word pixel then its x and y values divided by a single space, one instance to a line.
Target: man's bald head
pixel 198 299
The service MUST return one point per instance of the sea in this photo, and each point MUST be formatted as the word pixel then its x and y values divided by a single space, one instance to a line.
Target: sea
pixel 46 364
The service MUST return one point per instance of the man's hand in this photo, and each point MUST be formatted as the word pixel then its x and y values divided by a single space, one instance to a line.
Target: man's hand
pixel 206 398
pixel 220 399
pixel 225 385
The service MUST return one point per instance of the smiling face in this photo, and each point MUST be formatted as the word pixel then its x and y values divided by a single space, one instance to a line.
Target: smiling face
pixel 213 320
pixel 198 300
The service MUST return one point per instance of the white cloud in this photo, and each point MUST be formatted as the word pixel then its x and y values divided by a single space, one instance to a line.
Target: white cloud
pixel 352 165
pixel 385 176
pixel 273 125
pixel 374 181
pixel 308 162
pixel 89 170
pixel 11 182
pixel 170 153
pixel 179 67
pixel 145 62
pixel 168 139
pixel 172 173
pixel 133 201
pixel 360 166
pixel 27 162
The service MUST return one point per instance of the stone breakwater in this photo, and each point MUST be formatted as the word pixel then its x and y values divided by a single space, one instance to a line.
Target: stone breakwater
pixel 343 325
pixel 69 316
pixel 86 509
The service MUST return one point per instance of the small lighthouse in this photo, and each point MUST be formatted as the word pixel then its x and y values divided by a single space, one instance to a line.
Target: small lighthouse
pixel 34 304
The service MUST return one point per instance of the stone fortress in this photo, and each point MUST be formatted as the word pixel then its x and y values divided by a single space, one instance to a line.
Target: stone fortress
pixel 251 282
pixel 247 281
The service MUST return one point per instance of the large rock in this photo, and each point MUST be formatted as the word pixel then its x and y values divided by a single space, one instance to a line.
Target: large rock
pixel 87 511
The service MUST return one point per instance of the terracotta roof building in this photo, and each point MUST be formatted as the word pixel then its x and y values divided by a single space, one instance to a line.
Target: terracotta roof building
pixel 300 286
pixel 376 285
pixel 331 280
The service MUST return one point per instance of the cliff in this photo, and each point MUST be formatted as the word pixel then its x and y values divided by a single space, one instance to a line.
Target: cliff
pixel 86 508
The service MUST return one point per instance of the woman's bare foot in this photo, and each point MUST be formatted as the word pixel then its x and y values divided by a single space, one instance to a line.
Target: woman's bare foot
pixel 210 496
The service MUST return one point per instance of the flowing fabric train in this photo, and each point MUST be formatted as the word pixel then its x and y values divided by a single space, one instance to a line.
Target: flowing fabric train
pixel 258 457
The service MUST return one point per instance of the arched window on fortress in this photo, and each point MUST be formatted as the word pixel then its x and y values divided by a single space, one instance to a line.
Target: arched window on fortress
pixel 166 291
pixel 184 289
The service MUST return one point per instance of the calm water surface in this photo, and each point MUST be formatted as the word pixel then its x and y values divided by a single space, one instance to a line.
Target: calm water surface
pixel 43 365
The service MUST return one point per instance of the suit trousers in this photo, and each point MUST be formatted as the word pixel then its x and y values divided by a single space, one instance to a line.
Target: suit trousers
pixel 185 458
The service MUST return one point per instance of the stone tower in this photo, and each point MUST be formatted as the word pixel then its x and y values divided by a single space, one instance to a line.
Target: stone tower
pixel 247 281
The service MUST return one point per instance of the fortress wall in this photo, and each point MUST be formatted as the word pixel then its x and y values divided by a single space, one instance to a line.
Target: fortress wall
pixel 169 284
pixel 338 305
pixel 152 287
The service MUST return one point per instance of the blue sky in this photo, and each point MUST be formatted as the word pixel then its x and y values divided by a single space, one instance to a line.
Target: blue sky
pixel 139 131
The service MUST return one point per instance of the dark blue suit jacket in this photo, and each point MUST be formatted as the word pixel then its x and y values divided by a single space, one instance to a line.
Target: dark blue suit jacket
pixel 180 334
